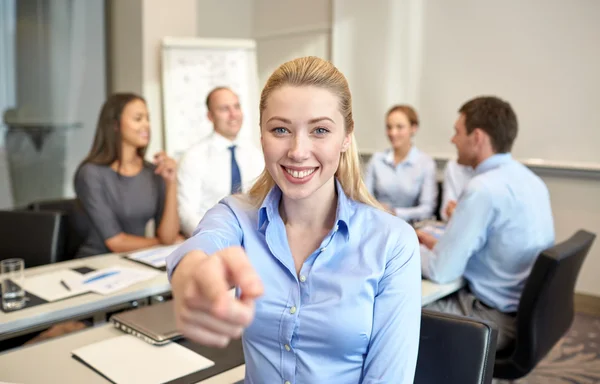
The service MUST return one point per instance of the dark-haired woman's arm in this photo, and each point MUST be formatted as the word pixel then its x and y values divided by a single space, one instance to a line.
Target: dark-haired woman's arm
pixel 124 242
pixel 168 225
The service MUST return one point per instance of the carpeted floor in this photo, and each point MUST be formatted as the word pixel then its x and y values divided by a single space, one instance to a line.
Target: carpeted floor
pixel 575 359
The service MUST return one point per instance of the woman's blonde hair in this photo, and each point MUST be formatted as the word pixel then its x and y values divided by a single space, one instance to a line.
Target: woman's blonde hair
pixel 316 72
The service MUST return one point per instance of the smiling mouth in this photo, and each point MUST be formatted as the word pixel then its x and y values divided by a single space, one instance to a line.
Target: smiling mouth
pixel 299 174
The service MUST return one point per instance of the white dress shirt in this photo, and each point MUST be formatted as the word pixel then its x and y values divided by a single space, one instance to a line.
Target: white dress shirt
pixel 204 176
pixel 456 178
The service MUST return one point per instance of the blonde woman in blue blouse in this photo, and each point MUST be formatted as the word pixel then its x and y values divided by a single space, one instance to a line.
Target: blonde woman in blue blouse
pixel 402 178
pixel 329 285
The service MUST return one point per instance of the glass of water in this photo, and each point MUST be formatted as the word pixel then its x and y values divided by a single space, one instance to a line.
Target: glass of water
pixel 12 278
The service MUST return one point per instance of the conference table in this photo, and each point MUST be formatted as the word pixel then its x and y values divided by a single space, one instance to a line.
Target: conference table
pixel 89 305
pixel 53 361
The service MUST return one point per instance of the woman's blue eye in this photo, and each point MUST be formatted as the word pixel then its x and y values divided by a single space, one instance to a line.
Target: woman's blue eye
pixel 321 131
pixel 280 130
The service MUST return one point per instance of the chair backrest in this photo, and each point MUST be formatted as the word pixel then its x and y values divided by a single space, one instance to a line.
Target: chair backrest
pixel 455 349
pixel 438 203
pixel 35 237
pixel 76 223
pixel 546 307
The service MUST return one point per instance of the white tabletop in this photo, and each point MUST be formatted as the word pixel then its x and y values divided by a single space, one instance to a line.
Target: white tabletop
pixel 13 322
pixel 54 363
pixel 431 292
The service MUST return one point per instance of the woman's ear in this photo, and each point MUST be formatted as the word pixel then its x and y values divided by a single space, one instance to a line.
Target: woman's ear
pixel 346 143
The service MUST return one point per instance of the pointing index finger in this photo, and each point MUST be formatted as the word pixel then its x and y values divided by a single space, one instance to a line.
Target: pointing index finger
pixel 241 272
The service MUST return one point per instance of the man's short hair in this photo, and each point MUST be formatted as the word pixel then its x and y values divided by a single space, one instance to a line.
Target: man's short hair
pixel 212 92
pixel 495 117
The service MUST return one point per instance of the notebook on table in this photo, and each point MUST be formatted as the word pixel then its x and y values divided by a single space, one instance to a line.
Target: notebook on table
pixel 155 257
pixel 127 359
pixel 155 324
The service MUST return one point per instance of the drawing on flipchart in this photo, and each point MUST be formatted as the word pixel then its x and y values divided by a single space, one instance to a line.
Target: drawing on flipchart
pixel 189 77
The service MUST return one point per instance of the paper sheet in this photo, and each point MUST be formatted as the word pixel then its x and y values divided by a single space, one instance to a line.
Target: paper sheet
pixel 108 280
pixel 127 359
pixel 156 257
pixel 48 287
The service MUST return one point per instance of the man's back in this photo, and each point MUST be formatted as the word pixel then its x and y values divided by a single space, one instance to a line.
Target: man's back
pixel 520 227
pixel 502 222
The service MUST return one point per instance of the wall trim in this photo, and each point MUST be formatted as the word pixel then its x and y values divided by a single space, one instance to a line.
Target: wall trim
pixel 585 171
pixel 588 304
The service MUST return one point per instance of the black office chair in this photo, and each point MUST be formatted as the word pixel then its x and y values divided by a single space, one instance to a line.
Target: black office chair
pixel 76 224
pixel 35 237
pixel 546 308
pixel 455 350
pixel 438 203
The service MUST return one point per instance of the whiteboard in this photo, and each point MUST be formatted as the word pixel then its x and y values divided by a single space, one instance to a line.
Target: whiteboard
pixel 191 68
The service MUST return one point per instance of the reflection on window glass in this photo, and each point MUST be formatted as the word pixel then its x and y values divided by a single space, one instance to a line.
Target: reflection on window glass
pixel 52 79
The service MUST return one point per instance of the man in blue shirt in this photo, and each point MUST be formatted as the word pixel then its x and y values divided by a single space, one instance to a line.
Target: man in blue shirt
pixel 502 221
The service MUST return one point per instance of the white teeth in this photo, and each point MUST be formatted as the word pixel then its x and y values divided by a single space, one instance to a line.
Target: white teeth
pixel 300 174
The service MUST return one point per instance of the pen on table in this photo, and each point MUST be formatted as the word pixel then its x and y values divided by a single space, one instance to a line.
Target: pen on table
pixel 62 282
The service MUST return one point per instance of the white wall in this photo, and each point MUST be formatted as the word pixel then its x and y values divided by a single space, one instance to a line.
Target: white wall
pixel 576 205
pixel 541 55
pixel 377 46
pixel 288 29
pixel 225 18
pixel 125 46
pixel 436 54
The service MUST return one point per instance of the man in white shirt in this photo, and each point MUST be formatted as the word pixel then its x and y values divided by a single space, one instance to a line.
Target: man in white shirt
pixel 219 164
pixel 456 178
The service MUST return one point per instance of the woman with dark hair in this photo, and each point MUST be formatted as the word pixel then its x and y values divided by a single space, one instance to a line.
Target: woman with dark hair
pixel 119 190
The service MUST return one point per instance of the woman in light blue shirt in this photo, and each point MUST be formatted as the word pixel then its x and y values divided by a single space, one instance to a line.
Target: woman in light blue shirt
pixel 328 284
pixel 402 178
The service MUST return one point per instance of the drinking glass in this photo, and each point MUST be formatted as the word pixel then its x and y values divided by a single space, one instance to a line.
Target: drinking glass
pixel 12 278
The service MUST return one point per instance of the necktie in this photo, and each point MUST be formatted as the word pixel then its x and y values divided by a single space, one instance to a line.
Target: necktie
pixel 236 177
